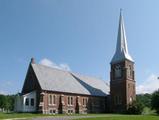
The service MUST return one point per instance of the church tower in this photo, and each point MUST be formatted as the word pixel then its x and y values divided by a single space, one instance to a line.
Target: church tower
pixel 122 80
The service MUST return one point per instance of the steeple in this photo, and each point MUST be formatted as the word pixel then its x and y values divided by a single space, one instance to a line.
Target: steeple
pixel 122 69
pixel 121 47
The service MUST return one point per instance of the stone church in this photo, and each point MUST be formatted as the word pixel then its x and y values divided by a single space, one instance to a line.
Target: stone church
pixel 51 91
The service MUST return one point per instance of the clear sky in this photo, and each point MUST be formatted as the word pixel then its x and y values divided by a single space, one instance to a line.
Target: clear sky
pixel 79 35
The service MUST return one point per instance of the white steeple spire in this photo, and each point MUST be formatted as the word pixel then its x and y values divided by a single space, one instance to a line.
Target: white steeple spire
pixel 121 47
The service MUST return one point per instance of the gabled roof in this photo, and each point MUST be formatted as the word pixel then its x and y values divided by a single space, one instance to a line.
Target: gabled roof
pixel 121 47
pixel 63 81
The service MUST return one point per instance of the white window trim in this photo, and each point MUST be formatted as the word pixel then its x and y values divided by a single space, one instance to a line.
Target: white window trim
pixel 69 103
pixel 53 101
pixel 84 101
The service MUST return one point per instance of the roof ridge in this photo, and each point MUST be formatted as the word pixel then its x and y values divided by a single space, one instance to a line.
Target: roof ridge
pixel 70 72
pixel 51 67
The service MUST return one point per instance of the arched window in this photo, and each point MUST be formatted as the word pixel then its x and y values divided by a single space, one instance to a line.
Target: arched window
pixel 71 100
pixel 129 71
pixel 50 99
pixel 54 99
pixel 68 100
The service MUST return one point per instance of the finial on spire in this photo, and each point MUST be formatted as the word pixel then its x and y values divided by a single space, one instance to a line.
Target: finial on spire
pixel 32 61
pixel 121 10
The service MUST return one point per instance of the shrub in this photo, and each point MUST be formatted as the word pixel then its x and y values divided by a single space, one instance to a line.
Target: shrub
pixel 135 108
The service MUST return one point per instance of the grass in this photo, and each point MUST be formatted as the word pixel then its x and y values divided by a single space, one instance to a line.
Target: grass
pixel 148 111
pixel 94 116
pixel 33 115
pixel 124 117
pixel 18 115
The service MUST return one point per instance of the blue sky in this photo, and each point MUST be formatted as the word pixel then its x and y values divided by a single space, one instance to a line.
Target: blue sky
pixel 79 35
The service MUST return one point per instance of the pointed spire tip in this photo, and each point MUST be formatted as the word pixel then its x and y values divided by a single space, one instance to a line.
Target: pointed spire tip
pixel 121 10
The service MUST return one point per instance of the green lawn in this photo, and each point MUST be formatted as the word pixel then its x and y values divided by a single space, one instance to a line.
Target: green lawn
pixel 17 115
pixel 124 117
pixel 96 116
pixel 33 115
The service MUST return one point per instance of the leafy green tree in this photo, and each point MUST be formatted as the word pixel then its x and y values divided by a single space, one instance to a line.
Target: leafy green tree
pixel 12 101
pixel 135 108
pixel 145 99
pixel 155 101
pixel 2 101
pixel 7 102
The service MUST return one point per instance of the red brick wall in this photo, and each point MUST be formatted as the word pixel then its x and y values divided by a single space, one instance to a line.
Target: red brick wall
pixel 123 88
pixel 92 104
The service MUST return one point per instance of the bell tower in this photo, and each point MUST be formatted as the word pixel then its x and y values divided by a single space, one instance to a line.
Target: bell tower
pixel 122 80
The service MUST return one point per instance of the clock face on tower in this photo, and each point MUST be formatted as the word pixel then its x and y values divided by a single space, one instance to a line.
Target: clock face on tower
pixel 118 71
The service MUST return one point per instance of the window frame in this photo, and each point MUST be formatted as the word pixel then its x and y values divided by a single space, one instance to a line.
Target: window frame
pixel 32 102
pixel 54 99
pixel 27 102
pixel 70 100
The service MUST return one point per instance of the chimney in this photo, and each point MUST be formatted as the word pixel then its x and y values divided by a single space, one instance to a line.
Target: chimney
pixel 32 61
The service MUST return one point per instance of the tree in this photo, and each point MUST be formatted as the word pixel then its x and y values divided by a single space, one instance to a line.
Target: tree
pixel 9 106
pixel 135 108
pixel 7 102
pixel 155 101
pixel 2 101
pixel 145 99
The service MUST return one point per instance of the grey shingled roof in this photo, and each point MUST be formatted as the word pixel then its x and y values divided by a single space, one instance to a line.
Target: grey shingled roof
pixel 53 79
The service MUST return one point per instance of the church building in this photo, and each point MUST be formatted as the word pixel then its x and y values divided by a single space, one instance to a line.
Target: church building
pixel 51 91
